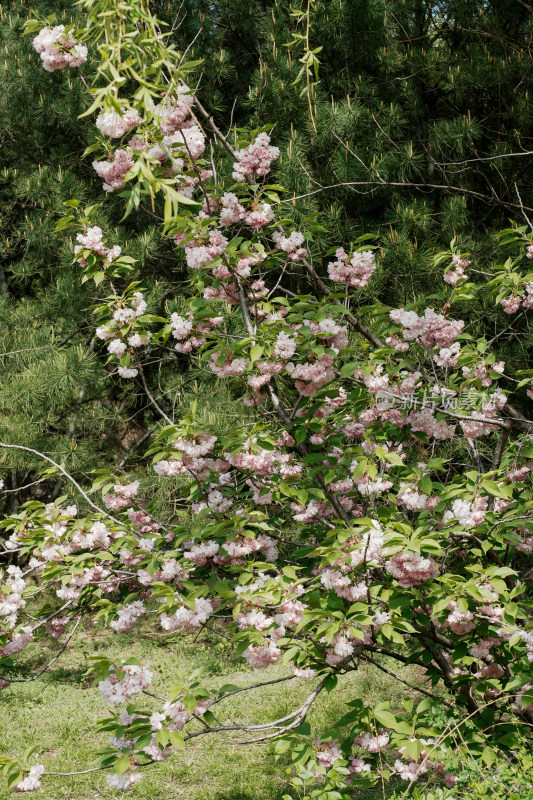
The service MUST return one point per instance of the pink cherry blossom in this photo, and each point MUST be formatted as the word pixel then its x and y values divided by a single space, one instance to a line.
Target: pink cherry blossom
pixel 113 172
pixel 411 569
pixel 136 680
pixel 59 49
pixel 354 273
pixel 113 124
pixel 256 159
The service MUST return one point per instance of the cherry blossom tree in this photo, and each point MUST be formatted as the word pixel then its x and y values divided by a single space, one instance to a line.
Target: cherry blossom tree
pixel 374 505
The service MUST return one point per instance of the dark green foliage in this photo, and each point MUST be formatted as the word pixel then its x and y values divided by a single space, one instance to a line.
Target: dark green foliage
pixel 405 91
pixel 56 395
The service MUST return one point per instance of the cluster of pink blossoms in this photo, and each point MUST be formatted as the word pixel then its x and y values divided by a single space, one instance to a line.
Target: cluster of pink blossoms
pixel 453 276
pixel 259 216
pixel 370 487
pixel 114 171
pixel 255 459
pixel 255 160
pixel 125 341
pixel 228 368
pixel 122 495
pixel 481 426
pixel 200 253
pixel 18 642
pixel 178 714
pixel 175 109
pixel 170 572
pixel 345 645
pixel 310 377
pixel 231 552
pixel 189 333
pixel 355 272
pixel 411 569
pixel 128 616
pixel 182 143
pixel 92 239
pixel 411 498
pixel 292 245
pixel 56 627
pixel 396 343
pixel 233 211
pixel 413 770
pixel 481 371
pixel 459 621
pixel 123 782
pixel 357 766
pixel 327 752
pixel 115 125
pixel 91 576
pixel 342 585
pixel 285 346
pixel 32 781
pixel 59 49
pixel 426 422
pixel 317 511
pixel 289 614
pixel 202 444
pixel 513 302
pixel 431 329
pixel 11 600
pixel 264 655
pixel 198 468
pixel 177 149
pixel 468 513
pixel 189 619
pixel 372 744
pixel 135 681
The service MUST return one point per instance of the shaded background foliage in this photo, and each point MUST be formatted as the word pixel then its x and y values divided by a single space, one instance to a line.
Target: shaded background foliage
pixel 412 95
pixel 404 89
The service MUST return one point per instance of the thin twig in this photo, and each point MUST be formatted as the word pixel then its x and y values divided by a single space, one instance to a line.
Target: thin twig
pixel 63 472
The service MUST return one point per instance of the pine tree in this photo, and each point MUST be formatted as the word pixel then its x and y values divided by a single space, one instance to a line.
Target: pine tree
pixel 404 92
pixel 56 394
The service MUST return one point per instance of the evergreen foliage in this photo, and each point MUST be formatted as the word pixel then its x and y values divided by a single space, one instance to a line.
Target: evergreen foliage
pixel 406 89
pixel 402 94
pixel 56 394
pixel 361 498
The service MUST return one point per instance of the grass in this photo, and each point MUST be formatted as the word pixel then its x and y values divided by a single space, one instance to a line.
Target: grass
pixel 59 713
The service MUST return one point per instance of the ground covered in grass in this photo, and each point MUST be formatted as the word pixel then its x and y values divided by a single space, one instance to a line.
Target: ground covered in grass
pixel 59 713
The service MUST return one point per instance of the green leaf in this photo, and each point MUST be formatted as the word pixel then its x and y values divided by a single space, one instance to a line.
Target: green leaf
pixel 489 756
pixel 330 682
pixel 425 485
pixel 163 737
pixel 176 739
pixel 228 687
pixel 121 765
pixel 413 750
pixel 14 778
pixel 503 492
pixel 349 369
pixel 256 352
pixel 386 718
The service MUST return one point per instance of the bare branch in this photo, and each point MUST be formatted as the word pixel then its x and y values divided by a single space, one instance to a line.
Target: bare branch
pixel 407 185
pixel 63 472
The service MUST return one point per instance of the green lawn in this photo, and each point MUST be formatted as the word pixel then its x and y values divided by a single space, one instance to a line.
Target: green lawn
pixel 59 714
